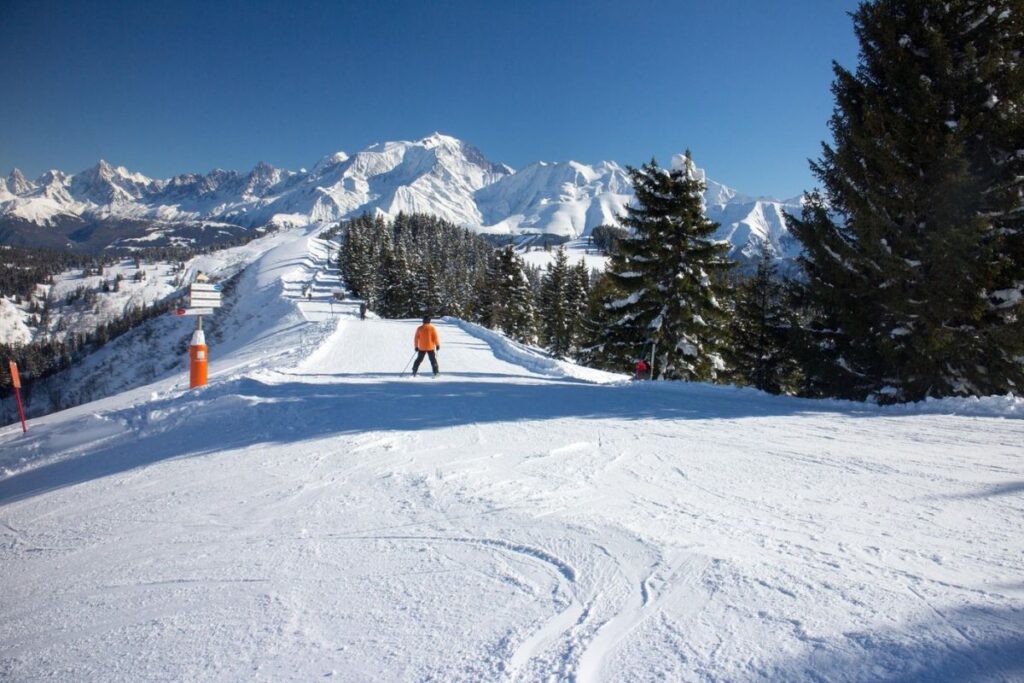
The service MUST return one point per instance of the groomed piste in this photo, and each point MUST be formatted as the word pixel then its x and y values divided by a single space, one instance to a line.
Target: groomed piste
pixel 314 512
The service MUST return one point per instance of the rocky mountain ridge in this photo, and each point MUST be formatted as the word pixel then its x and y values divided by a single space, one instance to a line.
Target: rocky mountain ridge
pixel 109 206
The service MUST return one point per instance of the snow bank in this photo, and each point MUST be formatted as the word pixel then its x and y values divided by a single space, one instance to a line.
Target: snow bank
pixel 1008 406
pixel 534 359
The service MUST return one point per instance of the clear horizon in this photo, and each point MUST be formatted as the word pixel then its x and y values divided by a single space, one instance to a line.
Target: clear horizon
pixel 164 90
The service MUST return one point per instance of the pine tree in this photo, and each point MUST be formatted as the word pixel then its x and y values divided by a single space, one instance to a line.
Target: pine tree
pixel 576 299
pixel 914 253
pixel 607 237
pixel 665 279
pixel 482 306
pixel 596 322
pixel 357 257
pixel 398 285
pixel 554 316
pixel 758 353
pixel 428 291
pixel 512 302
pixel 441 261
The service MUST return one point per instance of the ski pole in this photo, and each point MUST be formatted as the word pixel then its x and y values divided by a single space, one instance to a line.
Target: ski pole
pixel 408 364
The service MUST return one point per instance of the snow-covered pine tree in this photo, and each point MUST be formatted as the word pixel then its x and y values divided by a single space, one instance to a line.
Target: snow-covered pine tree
pixel 553 317
pixel 595 323
pixel 665 279
pixel 914 253
pixel 463 257
pixel 481 306
pixel 358 255
pixel 396 298
pixel 512 302
pixel 428 290
pixel 383 251
pixel 416 262
pixel 577 297
pixel 759 353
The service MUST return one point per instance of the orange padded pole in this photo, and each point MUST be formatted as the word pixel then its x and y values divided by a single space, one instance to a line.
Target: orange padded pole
pixel 198 359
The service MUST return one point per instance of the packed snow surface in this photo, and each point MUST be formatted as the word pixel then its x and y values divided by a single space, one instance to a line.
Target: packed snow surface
pixel 316 512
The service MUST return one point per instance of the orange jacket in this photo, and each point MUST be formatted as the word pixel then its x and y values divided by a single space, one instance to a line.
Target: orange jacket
pixel 426 338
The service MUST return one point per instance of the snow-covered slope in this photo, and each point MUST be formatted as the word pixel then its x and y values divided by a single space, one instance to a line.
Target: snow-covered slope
pixel 103 184
pixel 567 199
pixel 17 184
pixel 314 513
pixel 439 175
pixel 156 347
pixel 435 175
pixel 15 325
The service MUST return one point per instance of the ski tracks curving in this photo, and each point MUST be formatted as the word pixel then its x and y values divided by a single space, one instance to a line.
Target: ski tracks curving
pixel 675 581
pixel 611 594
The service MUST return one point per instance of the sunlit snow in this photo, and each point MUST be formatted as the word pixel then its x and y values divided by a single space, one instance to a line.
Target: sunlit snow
pixel 316 513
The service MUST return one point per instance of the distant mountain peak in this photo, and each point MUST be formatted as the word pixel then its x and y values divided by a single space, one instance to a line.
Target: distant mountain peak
pixel 329 161
pixel 436 139
pixel 52 176
pixel 18 184
pixel 107 184
pixel 437 174
pixel 261 179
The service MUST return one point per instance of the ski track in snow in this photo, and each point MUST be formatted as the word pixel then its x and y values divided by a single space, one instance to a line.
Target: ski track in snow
pixel 318 512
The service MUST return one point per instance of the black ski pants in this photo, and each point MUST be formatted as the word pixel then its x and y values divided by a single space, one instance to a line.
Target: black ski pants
pixel 419 359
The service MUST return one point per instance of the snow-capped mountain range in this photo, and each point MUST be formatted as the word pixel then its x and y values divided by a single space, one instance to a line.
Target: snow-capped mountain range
pixel 441 175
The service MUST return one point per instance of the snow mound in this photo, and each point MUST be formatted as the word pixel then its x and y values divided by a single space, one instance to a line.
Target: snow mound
pixel 1008 406
pixel 534 359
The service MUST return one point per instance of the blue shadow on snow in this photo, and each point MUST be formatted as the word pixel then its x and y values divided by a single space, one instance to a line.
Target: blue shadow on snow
pixel 247 412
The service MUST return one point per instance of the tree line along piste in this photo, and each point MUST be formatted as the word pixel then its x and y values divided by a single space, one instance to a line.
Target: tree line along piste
pixel 911 279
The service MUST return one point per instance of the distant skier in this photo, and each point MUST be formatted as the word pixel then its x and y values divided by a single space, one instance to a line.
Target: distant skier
pixel 362 311
pixel 640 369
pixel 426 345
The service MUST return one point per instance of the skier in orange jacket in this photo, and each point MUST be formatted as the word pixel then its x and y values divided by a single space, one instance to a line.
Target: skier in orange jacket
pixel 426 345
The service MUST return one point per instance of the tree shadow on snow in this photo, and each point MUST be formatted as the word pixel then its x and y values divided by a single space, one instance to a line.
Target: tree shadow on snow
pixel 967 645
pixel 248 412
pixel 425 372
pixel 990 491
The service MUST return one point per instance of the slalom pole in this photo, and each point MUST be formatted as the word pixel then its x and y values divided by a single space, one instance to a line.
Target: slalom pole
pixel 408 364
pixel 16 385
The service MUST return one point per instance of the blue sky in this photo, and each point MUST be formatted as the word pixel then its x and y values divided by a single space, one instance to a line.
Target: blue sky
pixel 166 88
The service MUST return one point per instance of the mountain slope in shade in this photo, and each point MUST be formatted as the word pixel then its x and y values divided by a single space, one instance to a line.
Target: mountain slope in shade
pixel 439 175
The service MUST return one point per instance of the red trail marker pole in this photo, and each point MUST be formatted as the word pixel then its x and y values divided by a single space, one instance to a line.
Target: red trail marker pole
pixel 16 383
pixel 198 357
